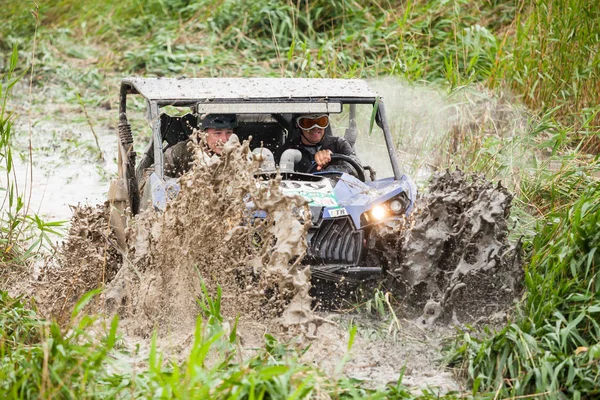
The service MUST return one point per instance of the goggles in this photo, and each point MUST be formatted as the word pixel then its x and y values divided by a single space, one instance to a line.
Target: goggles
pixel 307 123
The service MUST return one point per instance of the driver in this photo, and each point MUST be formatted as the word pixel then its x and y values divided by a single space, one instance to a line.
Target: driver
pixel 315 145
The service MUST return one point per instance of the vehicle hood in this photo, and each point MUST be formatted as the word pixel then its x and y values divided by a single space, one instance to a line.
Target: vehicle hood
pixel 349 196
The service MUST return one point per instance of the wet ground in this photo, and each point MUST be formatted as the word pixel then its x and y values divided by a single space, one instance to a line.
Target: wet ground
pixel 69 166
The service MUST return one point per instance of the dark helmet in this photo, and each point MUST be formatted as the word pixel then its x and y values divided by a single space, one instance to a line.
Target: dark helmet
pixel 218 121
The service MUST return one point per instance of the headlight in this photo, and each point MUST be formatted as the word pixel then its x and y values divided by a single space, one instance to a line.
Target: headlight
pixel 396 206
pixel 391 209
pixel 378 213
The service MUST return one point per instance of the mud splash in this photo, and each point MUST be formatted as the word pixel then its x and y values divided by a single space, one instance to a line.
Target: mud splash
pixel 86 260
pixel 210 237
pixel 456 262
pixel 445 268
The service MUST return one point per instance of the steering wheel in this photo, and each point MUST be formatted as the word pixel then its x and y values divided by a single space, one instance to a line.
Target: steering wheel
pixel 360 173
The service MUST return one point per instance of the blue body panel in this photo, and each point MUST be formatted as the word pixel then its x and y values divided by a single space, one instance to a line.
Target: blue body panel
pixel 358 197
pixel 353 196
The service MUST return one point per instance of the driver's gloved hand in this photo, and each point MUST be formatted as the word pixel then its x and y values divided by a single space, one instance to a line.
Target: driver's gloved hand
pixel 322 158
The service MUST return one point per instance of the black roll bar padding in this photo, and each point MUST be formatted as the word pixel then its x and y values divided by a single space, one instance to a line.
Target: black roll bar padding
pixel 125 89
pixel 381 118
pixel 284 123
pixel 352 132
pixel 378 119
pixel 132 185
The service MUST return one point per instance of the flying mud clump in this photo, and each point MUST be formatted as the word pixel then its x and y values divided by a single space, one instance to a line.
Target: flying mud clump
pixel 456 262
pixel 210 236
pixel 86 260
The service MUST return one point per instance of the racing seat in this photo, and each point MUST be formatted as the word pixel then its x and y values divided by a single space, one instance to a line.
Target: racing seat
pixel 176 129
pixel 266 134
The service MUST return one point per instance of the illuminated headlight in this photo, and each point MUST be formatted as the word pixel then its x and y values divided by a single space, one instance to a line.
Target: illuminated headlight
pixel 396 206
pixel 378 213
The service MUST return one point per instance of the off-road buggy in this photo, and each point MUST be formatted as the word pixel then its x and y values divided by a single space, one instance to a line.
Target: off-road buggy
pixel 348 211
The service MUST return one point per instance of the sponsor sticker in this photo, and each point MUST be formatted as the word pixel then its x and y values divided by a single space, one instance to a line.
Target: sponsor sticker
pixel 316 193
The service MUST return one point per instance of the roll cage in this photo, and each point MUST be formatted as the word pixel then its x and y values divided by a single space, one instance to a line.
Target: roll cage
pixel 274 97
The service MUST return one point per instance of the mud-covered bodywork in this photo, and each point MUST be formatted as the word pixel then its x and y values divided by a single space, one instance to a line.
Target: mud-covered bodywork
pixel 346 212
pixel 343 220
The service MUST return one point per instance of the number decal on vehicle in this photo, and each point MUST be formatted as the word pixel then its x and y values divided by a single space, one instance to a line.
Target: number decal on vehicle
pixel 338 212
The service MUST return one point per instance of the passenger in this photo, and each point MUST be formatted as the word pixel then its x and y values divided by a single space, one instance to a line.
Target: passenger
pixel 218 128
pixel 315 145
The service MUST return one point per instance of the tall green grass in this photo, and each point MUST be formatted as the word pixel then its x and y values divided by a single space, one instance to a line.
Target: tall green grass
pixel 12 203
pixel 434 40
pixel 556 57
pixel 552 346
pixel 39 359
pixel 546 51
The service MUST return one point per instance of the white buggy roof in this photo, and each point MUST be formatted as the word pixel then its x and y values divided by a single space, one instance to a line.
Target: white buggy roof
pixel 203 89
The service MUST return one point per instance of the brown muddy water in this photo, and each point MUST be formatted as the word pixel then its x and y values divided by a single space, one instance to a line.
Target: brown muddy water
pixel 453 265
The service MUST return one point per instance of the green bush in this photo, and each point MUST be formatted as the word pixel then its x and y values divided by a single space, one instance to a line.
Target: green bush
pixel 552 347
pixel 556 56
pixel 39 360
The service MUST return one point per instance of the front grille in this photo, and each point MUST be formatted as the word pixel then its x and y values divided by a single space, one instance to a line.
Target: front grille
pixel 335 241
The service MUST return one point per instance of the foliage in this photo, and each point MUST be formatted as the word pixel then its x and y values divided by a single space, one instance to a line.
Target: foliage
pixel 347 39
pixel 38 359
pixel 547 51
pixel 382 305
pixel 552 347
pixel 556 57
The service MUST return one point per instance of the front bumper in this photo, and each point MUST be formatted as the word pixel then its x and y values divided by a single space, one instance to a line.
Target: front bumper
pixel 336 249
pixel 335 241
